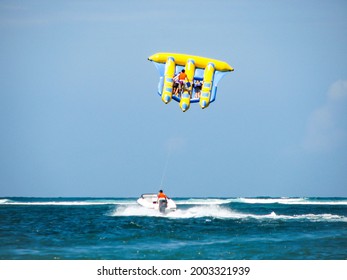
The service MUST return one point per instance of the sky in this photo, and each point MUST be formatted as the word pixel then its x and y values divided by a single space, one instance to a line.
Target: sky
pixel 80 115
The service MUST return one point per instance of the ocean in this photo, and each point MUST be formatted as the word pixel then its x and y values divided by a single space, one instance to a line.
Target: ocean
pixel 259 228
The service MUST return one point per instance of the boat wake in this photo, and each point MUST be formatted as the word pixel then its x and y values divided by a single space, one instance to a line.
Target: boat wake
pixel 219 212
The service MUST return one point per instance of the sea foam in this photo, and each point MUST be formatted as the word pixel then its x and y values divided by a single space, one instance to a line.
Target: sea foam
pixel 218 212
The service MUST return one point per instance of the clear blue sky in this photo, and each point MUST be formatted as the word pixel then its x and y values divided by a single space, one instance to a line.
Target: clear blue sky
pixel 80 116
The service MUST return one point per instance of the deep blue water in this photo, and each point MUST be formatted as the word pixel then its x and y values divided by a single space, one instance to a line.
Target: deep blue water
pixel 200 228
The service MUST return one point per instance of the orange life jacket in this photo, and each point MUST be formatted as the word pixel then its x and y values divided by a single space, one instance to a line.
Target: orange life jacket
pixel 162 195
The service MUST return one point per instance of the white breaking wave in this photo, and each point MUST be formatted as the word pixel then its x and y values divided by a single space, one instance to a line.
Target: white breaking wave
pixel 205 201
pixel 218 212
pixel 284 200
pixel 67 203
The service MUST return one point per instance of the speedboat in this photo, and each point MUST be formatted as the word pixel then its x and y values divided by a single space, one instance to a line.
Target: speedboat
pixel 150 201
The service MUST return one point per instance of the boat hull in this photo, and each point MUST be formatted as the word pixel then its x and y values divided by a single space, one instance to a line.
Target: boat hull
pixel 150 201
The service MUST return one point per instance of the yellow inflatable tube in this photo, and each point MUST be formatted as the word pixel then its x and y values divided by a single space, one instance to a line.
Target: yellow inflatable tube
pixel 207 86
pixel 168 82
pixel 200 62
pixel 186 96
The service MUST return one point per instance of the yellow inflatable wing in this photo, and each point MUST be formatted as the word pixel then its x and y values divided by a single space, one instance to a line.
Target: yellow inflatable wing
pixel 188 78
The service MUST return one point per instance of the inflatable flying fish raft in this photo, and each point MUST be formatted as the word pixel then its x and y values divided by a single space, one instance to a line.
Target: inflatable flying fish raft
pixel 206 72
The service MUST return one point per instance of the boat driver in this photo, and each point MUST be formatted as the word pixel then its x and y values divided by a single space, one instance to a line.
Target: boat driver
pixel 162 196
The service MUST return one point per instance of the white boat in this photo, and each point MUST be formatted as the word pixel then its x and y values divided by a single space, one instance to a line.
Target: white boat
pixel 150 201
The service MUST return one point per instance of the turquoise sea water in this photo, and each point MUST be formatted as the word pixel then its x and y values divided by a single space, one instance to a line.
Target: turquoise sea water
pixel 200 228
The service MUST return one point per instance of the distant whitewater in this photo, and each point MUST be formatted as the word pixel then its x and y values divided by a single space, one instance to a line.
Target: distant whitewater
pixel 200 228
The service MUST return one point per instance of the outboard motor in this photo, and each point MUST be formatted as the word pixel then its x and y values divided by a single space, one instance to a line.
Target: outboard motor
pixel 162 205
